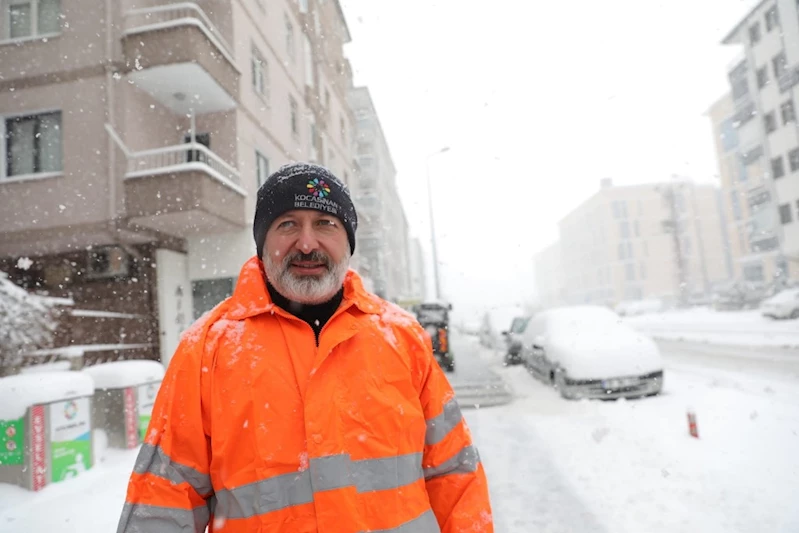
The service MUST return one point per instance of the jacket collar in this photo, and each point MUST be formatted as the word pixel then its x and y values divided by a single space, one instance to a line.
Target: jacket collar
pixel 251 298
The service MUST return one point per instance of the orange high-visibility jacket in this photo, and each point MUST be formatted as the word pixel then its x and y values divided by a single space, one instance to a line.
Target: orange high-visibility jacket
pixel 256 428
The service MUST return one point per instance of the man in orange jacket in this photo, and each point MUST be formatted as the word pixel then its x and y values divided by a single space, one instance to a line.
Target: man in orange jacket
pixel 303 403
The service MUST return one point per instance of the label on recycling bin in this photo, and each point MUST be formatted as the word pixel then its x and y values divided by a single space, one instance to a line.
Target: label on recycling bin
pixel 12 441
pixel 70 438
pixel 146 400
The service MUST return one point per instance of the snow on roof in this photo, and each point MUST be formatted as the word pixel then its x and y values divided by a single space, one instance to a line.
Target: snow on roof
pixel 122 374
pixel 24 390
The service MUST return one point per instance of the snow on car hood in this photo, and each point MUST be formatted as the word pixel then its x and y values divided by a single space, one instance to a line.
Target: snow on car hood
pixel 605 354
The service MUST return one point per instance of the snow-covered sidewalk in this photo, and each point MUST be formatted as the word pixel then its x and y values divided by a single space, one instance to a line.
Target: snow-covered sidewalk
pixel 742 328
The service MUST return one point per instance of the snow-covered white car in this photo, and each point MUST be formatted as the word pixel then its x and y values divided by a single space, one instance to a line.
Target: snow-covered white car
pixel 784 304
pixel 588 352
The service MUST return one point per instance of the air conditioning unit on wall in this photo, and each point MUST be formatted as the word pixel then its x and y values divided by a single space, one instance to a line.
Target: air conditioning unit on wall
pixel 107 262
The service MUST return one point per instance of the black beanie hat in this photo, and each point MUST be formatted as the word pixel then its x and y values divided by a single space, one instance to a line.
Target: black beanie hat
pixel 302 186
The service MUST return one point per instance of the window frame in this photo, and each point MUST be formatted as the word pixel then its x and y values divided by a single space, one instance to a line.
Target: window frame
pixel 35 30
pixel 258 62
pixel 779 165
pixel 259 158
pixel 5 141
pixel 786 214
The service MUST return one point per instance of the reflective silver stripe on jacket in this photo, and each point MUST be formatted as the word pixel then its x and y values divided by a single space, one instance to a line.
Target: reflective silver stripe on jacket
pixel 464 462
pixel 141 518
pixel 439 426
pixel 324 473
pixel 153 460
pixel 424 523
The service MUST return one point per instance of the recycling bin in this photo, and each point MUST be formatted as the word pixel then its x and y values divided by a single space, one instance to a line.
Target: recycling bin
pixel 45 428
pixel 123 399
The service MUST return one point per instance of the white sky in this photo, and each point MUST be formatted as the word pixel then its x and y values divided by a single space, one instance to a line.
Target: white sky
pixel 538 101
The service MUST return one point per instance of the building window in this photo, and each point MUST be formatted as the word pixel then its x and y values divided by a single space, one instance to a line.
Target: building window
pixel 785 214
pixel 772 18
pixel 788 114
pixel 629 249
pixel 754 33
pixel 753 272
pixel 261 168
pixel 729 135
pixel 777 168
pixel 33 144
pixel 260 74
pixel 770 121
pixel 624 230
pixel 29 18
pixel 643 271
pixel 646 249
pixel 636 229
pixel 762 77
pixel 736 205
pixel 622 251
pixel 303 6
pixel 793 159
pixel 780 65
pixel 343 129
pixel 630 268
pixel 207 293
pixel 619 209
pixel 294 116
pixel 289 37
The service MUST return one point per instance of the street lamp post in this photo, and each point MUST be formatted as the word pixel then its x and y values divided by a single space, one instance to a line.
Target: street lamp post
pixel 432 221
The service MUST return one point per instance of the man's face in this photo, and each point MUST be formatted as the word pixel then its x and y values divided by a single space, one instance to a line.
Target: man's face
pixel 306 255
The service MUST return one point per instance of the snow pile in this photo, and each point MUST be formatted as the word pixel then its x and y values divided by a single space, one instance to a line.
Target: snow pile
pixel 122 374
pixel 27 321
pixel 746 328
pixel 22 391
pixel 560 466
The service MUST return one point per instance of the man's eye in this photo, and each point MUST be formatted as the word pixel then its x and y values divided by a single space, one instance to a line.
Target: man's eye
pixel 286 224
pixel 327 222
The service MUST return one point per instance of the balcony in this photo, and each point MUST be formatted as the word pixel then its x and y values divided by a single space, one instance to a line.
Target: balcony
pixel 183 190
pixel 177 55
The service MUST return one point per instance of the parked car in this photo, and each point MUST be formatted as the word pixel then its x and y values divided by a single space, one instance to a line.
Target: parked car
pixel 494 322
pixel 513 339
pixel 587 352
pixel 784 304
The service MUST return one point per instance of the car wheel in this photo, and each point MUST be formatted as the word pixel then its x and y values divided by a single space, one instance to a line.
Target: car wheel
pixel 795 314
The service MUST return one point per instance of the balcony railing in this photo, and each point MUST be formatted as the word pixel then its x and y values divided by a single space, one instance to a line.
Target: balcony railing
pixel 182 158
pixel 173 15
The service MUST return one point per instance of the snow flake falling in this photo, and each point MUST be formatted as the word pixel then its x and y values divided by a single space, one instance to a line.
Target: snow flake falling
pixel 24 263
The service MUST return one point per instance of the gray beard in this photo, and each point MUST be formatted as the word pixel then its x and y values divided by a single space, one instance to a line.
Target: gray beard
pixel 305 289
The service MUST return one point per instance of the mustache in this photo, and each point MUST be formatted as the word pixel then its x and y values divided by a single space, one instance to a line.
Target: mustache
pixel 314 257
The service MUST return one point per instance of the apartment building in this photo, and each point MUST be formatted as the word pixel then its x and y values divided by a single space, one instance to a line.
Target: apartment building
pixel 137 134
pixel 764 82
pixel 382 244
pixel 548 275
pixel 621 244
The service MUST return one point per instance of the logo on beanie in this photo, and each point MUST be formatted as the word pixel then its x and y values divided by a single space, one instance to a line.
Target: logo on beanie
pixel 318 188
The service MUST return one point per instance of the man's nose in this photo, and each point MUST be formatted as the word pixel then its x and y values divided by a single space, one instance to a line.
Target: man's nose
pixel 307 240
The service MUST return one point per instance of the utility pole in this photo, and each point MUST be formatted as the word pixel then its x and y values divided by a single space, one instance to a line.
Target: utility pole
pixel 432 222
pixel 672 225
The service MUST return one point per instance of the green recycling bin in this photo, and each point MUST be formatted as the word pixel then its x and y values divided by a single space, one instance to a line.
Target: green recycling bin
pixel 123 399
pixel 45 428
